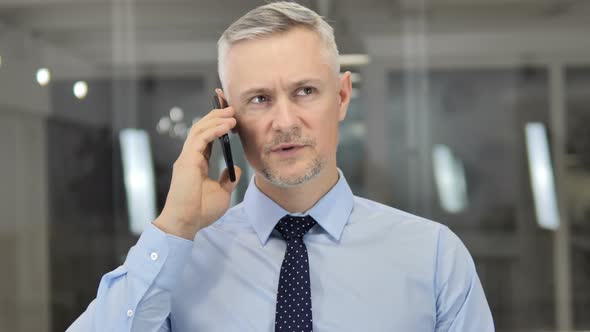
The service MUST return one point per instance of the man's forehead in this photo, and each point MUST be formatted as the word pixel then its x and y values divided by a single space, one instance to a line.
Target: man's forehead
pixel 297 46
pixel 281 59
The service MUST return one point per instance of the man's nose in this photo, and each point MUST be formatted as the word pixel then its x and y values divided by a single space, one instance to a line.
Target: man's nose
pixel 284 115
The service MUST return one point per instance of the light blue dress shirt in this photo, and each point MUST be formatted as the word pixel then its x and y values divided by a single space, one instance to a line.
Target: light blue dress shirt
pixel 372 268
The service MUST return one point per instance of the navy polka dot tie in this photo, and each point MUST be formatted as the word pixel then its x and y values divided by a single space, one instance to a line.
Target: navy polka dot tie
pixel 294 292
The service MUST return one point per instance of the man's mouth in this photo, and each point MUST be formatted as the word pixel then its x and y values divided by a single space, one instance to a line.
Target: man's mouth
pixel 286 147
pixel 287 150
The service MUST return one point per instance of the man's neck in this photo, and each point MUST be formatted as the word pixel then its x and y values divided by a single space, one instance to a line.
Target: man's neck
pixel 302 198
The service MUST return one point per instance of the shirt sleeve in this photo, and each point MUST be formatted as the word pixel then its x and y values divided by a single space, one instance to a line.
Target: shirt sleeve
pixel 461 304
pixel 136 296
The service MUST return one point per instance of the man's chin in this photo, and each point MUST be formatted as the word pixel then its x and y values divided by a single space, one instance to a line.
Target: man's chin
pixel 289 176
pixel 287 179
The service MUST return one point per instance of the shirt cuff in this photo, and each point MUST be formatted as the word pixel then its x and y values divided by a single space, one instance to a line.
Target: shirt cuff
pixel 158 257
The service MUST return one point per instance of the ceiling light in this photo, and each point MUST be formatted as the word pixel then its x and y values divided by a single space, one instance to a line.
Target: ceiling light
pixel 350 60
pixel 80 89
pixel 43 76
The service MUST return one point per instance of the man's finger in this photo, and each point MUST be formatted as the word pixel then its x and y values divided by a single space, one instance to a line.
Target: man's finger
pixel 206 137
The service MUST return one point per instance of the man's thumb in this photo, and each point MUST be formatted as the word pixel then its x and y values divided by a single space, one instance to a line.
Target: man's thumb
pixel 225 182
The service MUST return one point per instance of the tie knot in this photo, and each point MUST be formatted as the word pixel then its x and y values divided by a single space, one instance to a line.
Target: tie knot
pixel 294 227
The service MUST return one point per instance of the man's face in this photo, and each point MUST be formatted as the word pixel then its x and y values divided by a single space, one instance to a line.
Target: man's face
pixel 288 103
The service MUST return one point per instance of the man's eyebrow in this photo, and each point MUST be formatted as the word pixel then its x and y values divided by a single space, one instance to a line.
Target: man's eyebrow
pixel 262 91
pixel 253 92
pixel 304 82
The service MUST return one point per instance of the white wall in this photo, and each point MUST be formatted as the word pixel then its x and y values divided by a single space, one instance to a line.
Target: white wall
pixel 24 238
pixel 18 86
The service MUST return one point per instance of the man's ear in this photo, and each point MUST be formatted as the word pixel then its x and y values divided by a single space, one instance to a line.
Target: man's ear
pixel 221 94
pixel 344 92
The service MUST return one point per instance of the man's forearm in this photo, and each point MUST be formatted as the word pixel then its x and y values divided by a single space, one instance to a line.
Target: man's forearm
pixel 145 280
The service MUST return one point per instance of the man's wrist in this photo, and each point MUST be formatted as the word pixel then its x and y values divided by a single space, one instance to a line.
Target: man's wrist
pixel 174 227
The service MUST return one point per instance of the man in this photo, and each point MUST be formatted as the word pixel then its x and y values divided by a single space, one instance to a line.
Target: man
pixel 300 253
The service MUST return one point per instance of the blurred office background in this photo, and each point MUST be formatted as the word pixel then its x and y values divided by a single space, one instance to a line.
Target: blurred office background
pixel 473 113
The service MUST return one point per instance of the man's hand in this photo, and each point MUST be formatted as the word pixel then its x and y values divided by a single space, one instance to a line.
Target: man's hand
pixel 195 200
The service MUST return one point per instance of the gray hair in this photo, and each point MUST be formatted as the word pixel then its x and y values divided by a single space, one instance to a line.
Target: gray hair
pixel 273 18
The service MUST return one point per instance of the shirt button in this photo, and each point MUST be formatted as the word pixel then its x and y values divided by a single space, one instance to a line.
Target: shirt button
pixel 154 256
pixel 130 313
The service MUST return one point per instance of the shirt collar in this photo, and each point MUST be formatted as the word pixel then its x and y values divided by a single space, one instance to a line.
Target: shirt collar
pixel 331 212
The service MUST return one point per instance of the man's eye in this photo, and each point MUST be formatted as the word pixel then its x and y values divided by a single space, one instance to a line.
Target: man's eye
pixel 258 99
pixel 306 91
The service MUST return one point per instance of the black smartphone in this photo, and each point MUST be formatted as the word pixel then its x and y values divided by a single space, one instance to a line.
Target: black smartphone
pixel 225 146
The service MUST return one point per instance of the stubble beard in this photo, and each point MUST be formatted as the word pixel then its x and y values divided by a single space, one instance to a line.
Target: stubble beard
pixel 274 176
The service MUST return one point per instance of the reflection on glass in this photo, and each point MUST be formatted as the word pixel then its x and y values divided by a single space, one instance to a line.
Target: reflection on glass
pixel 138 178
pixel 449 176
pixel 355 78
pixel 180 130
pixel 163 125
pixel 541 174
pixel 176 114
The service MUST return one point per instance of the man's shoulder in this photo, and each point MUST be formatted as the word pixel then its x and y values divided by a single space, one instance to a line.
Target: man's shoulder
pixel 373 211
pixel 403 224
